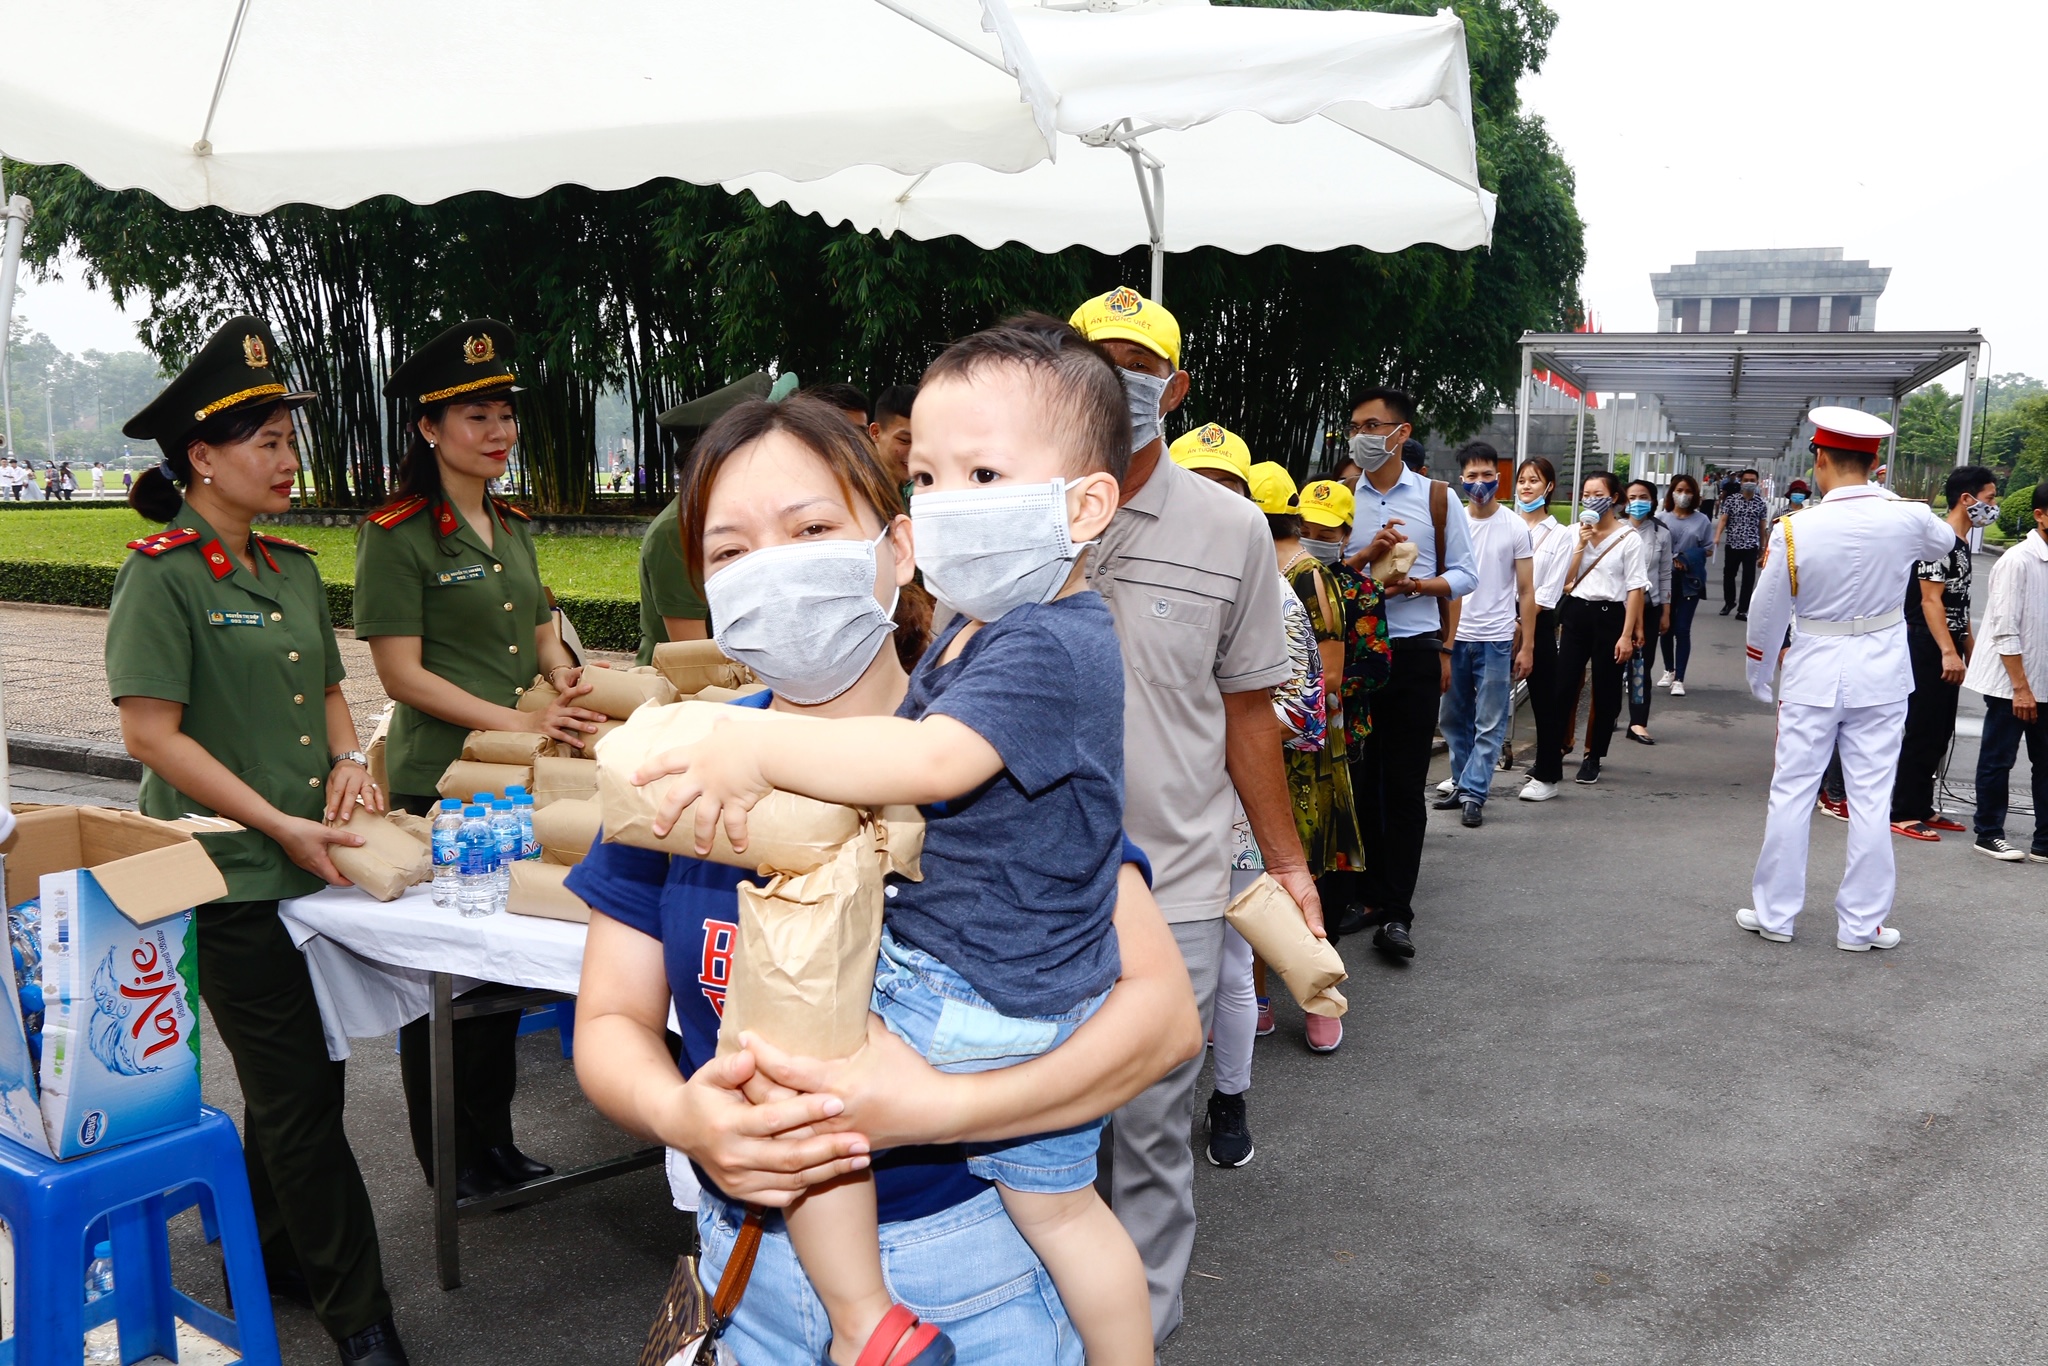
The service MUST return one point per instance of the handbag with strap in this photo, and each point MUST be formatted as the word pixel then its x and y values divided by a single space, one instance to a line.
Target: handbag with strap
pixel 689 1323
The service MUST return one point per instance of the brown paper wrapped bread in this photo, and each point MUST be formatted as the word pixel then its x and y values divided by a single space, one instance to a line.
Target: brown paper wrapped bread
pixel 804 961
pixel 562 779
pixel 785 833
pixel 1399 559
pixel 539 695
pixel 694 665
pixel 389 860
pixel 1271 923
pixel 618 693
pixel 540 889
pixel 464 779
pixel 566 829
pixel 519 747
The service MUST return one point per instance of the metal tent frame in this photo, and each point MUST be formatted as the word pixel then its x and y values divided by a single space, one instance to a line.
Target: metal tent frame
pixel 1743 397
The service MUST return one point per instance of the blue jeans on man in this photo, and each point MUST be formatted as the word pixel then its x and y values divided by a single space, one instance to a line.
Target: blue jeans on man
pixel 1476 711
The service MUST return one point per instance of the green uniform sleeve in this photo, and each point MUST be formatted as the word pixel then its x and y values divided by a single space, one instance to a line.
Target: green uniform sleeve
pixel 389 585
pixel 335 671
pixel 665 579
pixel 149 636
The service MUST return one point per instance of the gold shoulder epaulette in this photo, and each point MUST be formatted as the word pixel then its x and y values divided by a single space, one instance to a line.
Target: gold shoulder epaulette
pixel 391 516
pixel 157 544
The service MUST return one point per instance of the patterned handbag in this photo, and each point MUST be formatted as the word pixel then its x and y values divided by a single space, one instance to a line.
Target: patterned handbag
pixel 687 1327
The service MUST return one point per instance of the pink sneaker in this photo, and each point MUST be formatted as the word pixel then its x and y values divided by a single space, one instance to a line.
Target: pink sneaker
pixel 1266 1025
pixel 1324 1033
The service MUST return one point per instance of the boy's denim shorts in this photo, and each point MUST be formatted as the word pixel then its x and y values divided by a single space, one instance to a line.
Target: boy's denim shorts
pixel 933 1009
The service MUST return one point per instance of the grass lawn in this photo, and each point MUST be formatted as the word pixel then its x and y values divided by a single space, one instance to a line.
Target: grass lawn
pixel 581 566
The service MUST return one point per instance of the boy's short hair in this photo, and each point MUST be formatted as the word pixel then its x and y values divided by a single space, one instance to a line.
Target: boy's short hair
pixel 895 401
pixel 1473 451
pixel 1082 388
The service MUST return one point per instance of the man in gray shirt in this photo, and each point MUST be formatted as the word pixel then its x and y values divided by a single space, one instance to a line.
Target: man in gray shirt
pixel 1187 570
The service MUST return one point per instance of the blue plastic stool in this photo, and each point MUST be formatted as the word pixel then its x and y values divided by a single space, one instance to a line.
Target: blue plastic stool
pixel 132 1190
pixel 558 1015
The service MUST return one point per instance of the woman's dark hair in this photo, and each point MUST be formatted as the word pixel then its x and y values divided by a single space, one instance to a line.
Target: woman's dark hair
pixel 419 472
pixel 1542 467
pixel 156 497
pixel 1690 483
pixel 1285 526
pixel 1607 477
pixel 1643 484
pixel 847 453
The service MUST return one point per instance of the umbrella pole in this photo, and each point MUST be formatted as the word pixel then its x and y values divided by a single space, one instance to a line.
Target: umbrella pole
pixel 15 217
pixel 1152 194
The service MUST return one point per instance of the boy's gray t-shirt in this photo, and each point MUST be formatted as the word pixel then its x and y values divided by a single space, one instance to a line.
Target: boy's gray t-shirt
pixel 1019 889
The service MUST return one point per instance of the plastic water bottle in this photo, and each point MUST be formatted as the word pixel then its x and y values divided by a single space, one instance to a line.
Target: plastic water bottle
pixel 479 854
pixel 522 806
pixel 505 828
pixel 99 1283
pixel 447 853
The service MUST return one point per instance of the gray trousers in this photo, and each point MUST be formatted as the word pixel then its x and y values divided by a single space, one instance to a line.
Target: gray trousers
pixel 1152 1174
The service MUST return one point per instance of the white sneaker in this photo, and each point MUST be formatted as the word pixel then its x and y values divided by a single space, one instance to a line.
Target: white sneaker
pixel 1447 787
pixel 1746 919
pixel 1678 687
pixel 1887 938
pixel 1536 790
pixel 1668 679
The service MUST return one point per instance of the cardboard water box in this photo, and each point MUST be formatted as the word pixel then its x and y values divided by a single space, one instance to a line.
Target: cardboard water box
pixel 120 1038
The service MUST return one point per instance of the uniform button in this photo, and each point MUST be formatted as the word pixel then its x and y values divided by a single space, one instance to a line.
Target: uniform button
pixel 1159 607
pixel 299 698
pixel 305 739
pixel 508 606
pixel 277 616
pixel 519 692
pixel 497 569
pixel 312 782
pixel 293 656
pixel 513 648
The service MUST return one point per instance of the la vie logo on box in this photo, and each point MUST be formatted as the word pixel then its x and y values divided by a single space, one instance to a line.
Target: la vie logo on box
pixel 120 1038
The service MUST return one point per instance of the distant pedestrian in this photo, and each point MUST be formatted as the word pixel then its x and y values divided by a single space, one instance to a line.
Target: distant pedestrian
pixel 99 479
pixel 1739 535
pixel 127 481
pixel 1692 541
pixel 1605 585
pixel 1656 618
pixel 2011 672
pixel 1551 542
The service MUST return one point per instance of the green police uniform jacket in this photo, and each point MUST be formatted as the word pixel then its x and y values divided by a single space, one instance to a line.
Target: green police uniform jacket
pixel 250 656
pixel 422 571
pixel 665 589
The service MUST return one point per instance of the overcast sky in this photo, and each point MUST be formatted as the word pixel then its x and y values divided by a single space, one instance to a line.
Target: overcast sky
pixel 1912 135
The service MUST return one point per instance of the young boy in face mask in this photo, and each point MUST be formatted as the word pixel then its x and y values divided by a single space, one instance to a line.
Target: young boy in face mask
pixel 1011 739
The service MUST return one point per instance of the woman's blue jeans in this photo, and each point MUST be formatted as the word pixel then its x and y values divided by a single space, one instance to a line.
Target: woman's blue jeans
pixel 1679 637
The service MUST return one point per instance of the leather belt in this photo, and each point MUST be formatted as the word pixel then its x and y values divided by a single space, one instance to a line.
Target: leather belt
pixel 1861 626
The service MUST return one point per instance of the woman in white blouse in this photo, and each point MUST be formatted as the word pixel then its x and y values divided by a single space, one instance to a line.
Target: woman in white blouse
pixel 1552 541
pixel 1600 613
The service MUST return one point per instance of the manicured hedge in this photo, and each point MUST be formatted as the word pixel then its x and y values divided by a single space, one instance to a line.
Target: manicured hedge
pixel 2015 512
pixel 603 623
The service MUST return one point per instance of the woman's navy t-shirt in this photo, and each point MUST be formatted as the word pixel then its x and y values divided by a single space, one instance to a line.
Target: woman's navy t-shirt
pixel 692 908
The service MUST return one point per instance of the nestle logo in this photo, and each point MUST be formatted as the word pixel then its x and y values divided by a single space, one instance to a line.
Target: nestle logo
pixel 92 1128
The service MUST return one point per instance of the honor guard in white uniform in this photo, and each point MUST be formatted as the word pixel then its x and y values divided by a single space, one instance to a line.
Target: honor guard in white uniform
pixel 1836 576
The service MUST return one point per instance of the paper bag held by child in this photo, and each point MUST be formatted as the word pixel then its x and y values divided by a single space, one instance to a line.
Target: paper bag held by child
pixel 1271 923
pixel 803 969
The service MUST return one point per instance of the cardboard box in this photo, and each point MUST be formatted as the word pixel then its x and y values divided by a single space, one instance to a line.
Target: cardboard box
pixel 120 1055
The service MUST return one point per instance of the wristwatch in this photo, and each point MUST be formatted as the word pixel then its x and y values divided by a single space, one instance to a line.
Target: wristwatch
pixel 354 756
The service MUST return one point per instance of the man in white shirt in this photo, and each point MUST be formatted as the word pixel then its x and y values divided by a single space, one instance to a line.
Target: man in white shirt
pixel 1838 570
pixel 2010 668
pixel 1496 638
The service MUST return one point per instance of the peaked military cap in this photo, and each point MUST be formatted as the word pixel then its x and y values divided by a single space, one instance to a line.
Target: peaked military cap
pixel 471 361
pixel 237 368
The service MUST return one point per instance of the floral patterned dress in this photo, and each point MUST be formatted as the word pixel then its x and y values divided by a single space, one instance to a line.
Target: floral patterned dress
pixel 1318 776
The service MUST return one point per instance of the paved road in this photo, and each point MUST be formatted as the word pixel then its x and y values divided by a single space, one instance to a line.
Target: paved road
pixel 1593 1122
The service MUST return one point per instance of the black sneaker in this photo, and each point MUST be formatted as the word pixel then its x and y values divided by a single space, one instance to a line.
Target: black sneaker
pixel 1230 1139
pixel 1475 815
pixel 1589 772
pixel 1997 848
pixel 377 1345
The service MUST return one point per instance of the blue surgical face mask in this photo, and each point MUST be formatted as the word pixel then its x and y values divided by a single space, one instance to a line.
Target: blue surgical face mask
pixel 1531 504
pixel 1640 508
pixel 1795 498
pixel 1480 490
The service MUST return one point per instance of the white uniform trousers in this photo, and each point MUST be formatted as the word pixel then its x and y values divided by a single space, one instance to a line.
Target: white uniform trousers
pixel 1868 738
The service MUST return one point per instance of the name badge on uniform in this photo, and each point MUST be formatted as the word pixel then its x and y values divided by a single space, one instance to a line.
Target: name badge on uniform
pixel 462 575
pixel 217 617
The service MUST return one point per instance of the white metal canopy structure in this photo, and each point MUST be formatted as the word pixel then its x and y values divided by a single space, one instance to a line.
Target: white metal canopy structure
pixel 1352 129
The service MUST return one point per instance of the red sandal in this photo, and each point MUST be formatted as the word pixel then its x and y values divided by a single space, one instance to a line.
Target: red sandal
pixel 902 1340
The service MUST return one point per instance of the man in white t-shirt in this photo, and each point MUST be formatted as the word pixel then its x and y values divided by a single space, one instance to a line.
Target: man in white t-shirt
pixel 1496 638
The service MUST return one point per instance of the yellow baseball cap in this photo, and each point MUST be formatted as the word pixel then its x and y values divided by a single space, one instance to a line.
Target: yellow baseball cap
pixel 1273 488
pixel 1212 448
pixel 1123 314
pixel 1327 503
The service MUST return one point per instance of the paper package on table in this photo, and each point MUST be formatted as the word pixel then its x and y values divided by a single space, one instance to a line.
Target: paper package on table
pixel 563 779
pixel 566 830
pixel 1271 923
pixel 391 858
pixel 694 665
pixel 119 1052
pixel 373 753
pixel 464 779
pixel 519 747
pixel 618 693
pixel 541 889
pixel 539 695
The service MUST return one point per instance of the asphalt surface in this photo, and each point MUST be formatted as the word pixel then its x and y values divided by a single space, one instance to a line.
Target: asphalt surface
pixel 1591 1122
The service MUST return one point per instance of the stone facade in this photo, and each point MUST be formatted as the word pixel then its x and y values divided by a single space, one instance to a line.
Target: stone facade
pixel 1800 289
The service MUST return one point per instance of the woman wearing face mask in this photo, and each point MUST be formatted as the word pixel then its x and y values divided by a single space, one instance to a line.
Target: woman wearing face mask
pixel 799 538
pixel 1692 543
pixel 1600 613
pixel 1656 619
pixel 1552 541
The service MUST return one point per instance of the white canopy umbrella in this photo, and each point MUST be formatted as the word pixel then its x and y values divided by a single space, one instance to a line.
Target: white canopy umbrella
pixel 1341 129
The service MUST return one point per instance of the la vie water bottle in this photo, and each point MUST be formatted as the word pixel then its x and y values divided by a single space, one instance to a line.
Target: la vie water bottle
pixel 505 829
pixel 479 854
pixel 447 853
pixel 99 1283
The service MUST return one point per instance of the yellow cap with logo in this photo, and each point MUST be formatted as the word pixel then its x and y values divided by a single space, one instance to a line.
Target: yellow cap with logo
pixel 1123 314
pixel 1273 488
pixel 1209 447
pixel 1327 503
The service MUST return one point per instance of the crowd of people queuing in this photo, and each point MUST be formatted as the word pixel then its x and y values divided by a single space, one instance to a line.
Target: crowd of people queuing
pixel 56 483
pixel 1124 680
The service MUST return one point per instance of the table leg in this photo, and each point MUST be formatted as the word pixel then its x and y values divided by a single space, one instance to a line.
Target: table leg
pixel 447 1234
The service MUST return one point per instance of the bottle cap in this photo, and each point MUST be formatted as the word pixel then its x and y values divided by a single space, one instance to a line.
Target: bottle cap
pixel 451 804
pixel 514 789
pixel 476 811
pixel 102 1250
pixel 484 798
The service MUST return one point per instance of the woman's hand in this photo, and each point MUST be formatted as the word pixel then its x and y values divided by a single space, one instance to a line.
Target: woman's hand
pixel 885 1091
pixel 347 782
pixel 1586 534
pixel 765 1154
pixel 562 720
pixel 1664 621
pixel 306 843
pixel 1626 646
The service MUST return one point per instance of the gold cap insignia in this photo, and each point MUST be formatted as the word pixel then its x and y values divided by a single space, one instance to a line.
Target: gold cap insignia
pixel 478 349
pixel 255 352
pixel 1211 436
pixel 1123 301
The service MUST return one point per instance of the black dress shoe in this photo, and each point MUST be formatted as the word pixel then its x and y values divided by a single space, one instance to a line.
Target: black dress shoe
pixel 1450 803
pixel 516 1167
pixel 1353 920
pixel 471 1182
pixel 1392 940
pixel 377 1345
pixel 1474 817
pixel 1726 608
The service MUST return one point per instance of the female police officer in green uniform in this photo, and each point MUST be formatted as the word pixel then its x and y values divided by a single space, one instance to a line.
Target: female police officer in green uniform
pixel 222 659
pixel 449 596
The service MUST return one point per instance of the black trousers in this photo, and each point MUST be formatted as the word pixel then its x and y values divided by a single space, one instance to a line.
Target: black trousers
pixel 1543 684
pixel 312 1210
pixel 1642 669
pixel 486 1071
pixel 1930 725
pixel 1732 560
pixel 1388 777
pixel 1590 631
